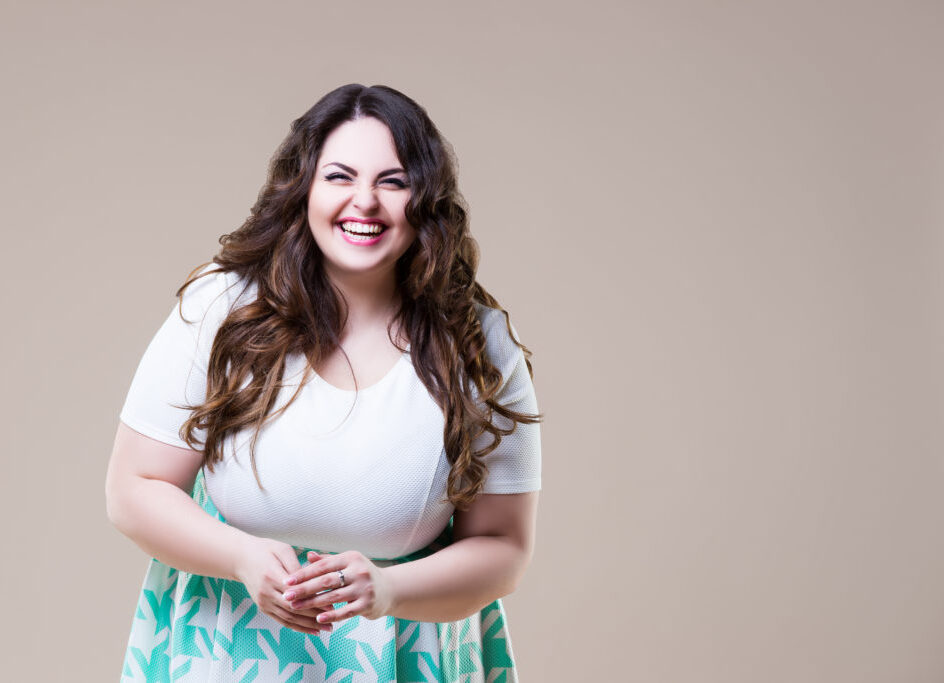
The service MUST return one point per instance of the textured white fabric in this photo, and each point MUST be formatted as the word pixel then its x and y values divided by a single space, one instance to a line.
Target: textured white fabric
pixel 373 480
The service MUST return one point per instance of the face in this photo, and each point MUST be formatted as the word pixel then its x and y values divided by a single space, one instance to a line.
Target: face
pixel 357 200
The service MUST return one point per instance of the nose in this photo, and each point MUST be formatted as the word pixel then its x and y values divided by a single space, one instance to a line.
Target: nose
pixel 364 197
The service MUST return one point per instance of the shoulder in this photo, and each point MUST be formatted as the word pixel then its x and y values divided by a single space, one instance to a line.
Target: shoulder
pixel 500 344
pixel 493 321
pixel 213 294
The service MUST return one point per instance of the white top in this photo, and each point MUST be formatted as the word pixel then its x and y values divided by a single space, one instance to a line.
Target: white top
pixel 373 482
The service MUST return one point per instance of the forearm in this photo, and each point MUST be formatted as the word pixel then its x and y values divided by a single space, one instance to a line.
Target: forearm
pixel 169 525
pixel 456 581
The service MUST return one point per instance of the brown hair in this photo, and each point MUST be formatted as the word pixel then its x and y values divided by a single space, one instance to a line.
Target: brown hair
pixel 297 311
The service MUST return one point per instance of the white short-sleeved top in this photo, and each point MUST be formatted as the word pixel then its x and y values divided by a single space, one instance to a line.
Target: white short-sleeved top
pixel 373 480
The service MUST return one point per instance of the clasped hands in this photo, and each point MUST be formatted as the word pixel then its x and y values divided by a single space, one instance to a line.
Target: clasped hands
pixel 318 585
pixel 303 598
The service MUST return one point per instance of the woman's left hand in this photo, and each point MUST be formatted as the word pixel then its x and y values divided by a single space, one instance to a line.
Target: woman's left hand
pixel 366 589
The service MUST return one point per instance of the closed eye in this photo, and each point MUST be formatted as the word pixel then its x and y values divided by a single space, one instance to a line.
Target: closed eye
pixel 396 182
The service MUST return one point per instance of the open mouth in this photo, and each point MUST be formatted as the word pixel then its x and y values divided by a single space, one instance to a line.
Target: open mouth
pixel 362 233
pixel 362 229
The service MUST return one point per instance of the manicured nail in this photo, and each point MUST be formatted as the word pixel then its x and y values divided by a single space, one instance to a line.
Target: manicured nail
pixel 289 596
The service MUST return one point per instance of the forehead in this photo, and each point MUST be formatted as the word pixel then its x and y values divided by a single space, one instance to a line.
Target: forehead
pixel 363 143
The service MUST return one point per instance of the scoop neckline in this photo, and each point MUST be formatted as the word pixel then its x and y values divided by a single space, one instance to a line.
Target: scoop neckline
pixel 390 373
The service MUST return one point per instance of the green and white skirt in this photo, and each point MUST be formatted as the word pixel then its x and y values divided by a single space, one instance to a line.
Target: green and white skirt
pixel 196 628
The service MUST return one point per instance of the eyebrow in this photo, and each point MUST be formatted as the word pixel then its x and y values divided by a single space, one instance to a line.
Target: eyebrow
pixel 389 171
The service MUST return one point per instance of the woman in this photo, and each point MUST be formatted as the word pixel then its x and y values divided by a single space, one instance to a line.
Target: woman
pixel 355 413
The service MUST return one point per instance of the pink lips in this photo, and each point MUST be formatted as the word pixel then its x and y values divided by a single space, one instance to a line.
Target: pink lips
pixel 359 242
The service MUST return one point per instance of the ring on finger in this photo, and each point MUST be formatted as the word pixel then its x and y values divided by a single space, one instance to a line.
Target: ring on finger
pixel 328 599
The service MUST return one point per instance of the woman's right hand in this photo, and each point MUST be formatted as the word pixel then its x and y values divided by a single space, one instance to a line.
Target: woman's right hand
pixel 262 566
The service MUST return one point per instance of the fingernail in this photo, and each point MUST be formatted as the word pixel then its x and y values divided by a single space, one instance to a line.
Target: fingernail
pixel 290 581
pixel 289 596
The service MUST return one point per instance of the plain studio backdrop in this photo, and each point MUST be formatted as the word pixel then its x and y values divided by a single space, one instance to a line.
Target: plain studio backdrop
pixel 718 226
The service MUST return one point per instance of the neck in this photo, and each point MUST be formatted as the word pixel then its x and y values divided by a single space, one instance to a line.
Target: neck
pixel 371 298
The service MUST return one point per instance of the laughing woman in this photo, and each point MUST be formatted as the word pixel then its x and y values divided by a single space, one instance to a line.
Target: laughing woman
pixel 330 449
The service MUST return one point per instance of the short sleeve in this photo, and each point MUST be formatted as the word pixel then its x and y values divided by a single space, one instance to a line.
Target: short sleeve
pixel 515 465
pixel 173 371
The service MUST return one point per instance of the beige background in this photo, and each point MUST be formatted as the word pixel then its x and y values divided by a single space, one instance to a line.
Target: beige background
pixel 717 225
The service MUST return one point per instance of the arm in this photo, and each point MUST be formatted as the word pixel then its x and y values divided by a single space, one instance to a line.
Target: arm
pixel 493 544
pixel 146 499
pixel 149 479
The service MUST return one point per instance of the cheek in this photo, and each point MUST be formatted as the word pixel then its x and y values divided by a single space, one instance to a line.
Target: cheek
pixel 409 237
pixel 401 213
pixel 321 212
pixel 326 201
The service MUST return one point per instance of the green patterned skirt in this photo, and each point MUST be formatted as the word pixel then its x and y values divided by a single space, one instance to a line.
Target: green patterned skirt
pixel 199 628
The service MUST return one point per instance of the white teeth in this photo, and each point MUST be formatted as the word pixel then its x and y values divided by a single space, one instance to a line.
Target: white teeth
pixel 362 228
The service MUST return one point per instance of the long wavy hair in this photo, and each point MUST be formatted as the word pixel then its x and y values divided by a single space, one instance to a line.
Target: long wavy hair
pixel 298 311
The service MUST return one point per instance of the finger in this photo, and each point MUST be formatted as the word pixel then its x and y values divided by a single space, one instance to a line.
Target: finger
pixel 289 617
pixel 349 610
pixel 325 568
pixel 295 621
pixel 313 587
pixel 288 559
pixel 310 612
pixel 303 610
pixel 294 577
pixel 327 599
pixel 277 601
pixel 323 565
